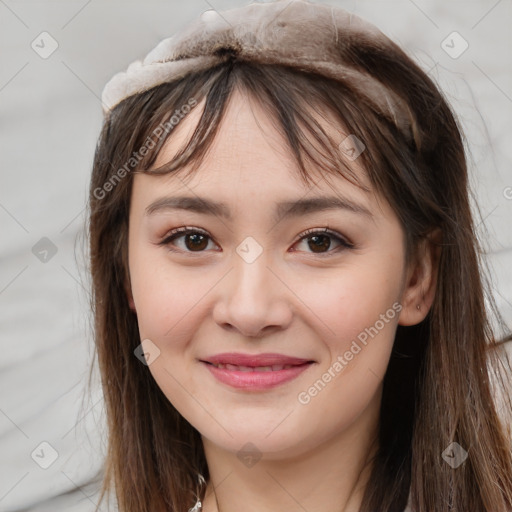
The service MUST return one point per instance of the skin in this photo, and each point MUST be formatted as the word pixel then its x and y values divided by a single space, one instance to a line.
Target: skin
pixel 290 300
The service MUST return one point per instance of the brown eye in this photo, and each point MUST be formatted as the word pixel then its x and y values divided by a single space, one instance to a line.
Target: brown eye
pixel 193 240
pixel 320 241
pixel 196 241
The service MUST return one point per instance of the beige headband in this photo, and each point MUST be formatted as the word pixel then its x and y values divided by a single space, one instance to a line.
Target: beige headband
pixel 296 33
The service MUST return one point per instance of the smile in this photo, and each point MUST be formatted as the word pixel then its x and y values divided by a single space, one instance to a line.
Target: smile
pixel 255 372
pixel 234 367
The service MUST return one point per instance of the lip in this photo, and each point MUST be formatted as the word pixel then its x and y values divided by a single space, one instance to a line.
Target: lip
pixel 250 379
pixel 267 359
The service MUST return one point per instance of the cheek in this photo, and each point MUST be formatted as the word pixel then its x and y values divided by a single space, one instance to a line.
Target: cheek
pixel 351 299
pixel 357 311
pixel 349 378
pixel 165 296
pixel 168 301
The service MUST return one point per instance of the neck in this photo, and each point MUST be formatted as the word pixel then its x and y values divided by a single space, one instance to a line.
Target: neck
pixel 329 477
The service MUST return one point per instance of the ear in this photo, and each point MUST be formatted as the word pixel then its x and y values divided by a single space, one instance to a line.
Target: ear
pixel 421 280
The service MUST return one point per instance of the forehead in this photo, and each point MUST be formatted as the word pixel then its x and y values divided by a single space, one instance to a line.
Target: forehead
pixel 250 149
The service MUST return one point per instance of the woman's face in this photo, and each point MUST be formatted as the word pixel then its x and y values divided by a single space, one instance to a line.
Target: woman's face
pixel 256 277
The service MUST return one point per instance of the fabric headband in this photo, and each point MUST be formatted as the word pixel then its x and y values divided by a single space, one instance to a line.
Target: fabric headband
pixel 294 33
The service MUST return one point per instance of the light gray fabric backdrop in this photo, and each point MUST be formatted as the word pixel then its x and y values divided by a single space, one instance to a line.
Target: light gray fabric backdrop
pixel 55 58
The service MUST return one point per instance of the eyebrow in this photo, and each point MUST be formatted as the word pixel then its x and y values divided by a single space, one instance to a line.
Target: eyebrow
pixel 283 209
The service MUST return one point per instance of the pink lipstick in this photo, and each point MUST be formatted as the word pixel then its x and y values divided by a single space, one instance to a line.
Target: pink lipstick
pixel 255 372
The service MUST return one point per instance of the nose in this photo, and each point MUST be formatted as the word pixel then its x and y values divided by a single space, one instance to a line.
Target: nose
pixel 253 299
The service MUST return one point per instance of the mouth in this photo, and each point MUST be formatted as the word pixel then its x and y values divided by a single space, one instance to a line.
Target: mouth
pixel 237 368
pixel 255 372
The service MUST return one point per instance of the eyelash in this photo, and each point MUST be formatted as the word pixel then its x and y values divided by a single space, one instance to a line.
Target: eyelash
pixel 179 232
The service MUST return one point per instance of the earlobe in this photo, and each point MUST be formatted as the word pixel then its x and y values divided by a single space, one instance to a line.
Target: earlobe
pixel 420 286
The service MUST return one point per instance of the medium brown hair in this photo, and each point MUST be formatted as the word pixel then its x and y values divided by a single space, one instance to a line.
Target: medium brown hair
pixel 443 373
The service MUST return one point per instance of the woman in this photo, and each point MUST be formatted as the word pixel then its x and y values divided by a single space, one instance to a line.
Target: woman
pixel 288 302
